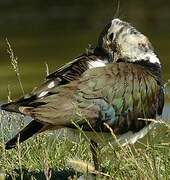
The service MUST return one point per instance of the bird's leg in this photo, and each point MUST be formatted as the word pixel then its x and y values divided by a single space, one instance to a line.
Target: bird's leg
pixel 94 147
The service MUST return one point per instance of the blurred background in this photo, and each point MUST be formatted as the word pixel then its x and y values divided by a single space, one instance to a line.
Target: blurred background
pixel 56 31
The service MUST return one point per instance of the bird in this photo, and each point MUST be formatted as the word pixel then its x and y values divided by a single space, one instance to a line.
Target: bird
pixel 111 93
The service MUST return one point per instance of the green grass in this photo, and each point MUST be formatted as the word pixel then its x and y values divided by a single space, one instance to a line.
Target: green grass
pixel 47 155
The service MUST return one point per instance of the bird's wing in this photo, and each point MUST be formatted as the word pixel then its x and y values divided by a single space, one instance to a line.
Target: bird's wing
pixel 65 74
pixel 117 94
pixel 78 65
pixel 70 71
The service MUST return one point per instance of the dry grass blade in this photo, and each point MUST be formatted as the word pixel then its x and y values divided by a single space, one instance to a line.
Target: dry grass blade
pixel 167 83
pixel 14 62
pixel 85 167
pixel 47 69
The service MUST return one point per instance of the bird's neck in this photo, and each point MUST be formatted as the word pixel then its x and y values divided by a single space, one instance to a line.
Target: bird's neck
pixel 152 68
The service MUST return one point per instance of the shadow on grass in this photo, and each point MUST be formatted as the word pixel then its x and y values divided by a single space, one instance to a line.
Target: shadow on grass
pixel 55 174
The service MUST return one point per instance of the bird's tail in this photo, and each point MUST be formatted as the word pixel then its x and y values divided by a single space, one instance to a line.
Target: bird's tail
pixel 32 128
pixel 12 107
pixel 24 106
pixel 17 106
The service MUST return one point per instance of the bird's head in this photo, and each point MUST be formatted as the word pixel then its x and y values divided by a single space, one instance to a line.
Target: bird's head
pixel 122 41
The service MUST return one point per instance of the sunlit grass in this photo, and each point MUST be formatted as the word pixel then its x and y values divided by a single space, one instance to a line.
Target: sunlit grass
pixel 48 155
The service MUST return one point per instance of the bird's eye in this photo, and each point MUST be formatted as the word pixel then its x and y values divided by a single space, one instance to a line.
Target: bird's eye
pixel 111 36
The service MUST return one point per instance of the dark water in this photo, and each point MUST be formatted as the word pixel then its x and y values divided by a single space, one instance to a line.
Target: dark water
pixel 56 31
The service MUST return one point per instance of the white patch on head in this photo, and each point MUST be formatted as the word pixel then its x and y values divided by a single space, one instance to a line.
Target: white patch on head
pixel 131 44
pixel 151 57
pixel 154 59
pixel 51 85
pixel 42 94
pixel 115 26
pixel 97 63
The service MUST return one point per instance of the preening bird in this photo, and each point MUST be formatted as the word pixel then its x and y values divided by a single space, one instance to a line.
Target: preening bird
pixel 114 84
